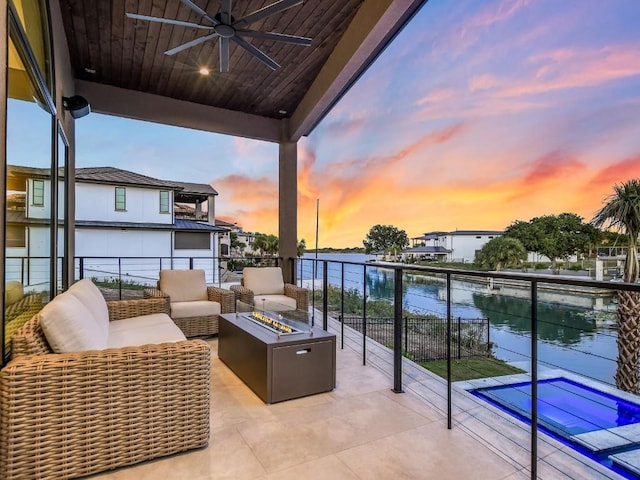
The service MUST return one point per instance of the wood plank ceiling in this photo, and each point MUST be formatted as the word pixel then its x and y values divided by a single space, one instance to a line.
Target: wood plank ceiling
pixel 108 48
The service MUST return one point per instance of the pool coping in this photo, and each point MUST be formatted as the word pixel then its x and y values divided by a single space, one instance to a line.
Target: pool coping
pixel 598 441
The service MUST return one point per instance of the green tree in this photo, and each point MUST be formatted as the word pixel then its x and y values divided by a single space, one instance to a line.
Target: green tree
pixel 261 243
pixel 273 245
pixel 621 210
pixel 236 245
pixel 501 252
pixel 385 238
pixel 555 236
pixel 302 245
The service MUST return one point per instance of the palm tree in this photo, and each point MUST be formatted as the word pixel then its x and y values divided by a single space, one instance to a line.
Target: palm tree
pixel 261 243
pixel 622 210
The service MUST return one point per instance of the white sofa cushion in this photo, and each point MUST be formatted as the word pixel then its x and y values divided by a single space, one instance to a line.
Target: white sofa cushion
pixel 183 285
pixel 146 329
pixel 69 326
pixel 91 297
pixel 274 303
pixel 198 308
pixel 263 280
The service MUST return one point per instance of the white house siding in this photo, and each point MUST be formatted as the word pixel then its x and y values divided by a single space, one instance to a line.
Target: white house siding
pixel 38 211
pixel 464 247
pixel 110 242
pixel 95 201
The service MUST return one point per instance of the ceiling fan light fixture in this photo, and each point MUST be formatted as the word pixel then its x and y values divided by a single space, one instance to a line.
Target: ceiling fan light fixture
pixel 204 71
pixel 227 29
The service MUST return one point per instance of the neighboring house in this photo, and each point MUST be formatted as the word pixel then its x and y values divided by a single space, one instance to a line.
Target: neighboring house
pixel 118 214
pixel 247 238
pixel 456 246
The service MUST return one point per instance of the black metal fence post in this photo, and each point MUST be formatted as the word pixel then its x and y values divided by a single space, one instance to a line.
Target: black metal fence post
pixel 81 267
pixel 397 331
pixel 119 278
pixel 459 337
pixel 190 263
pixel 534 380
pixel 342 298
pixel 449 419
pixel 325 294
pixel 364 316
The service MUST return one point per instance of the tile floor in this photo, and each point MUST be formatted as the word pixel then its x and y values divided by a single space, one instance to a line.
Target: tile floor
pixel 361 430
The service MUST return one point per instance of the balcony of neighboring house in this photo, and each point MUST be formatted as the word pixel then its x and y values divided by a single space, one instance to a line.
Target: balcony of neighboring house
pixel 195 202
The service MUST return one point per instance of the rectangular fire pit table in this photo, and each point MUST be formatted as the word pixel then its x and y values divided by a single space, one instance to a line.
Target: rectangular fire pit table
pixel 277 366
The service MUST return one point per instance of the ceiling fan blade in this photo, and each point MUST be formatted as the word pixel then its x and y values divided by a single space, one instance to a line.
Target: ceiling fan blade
pixel 256 53
pixel 190 44
pixel 167 20
pixel 225 12
pixel 278 37
pixel 200 11
pixel 266 11
pixel 224 55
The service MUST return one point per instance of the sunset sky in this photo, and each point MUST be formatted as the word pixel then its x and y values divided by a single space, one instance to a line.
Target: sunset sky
pixel 479 113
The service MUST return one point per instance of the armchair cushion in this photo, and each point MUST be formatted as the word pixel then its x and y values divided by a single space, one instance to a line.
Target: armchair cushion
pixel 144 330
pixel 64 323
pixel 13 291
pixel 275 303
pixel 198 308
pixel 183 285
pixel 264 280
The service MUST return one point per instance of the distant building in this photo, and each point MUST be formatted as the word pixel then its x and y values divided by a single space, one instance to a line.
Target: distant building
pixel 456 246
pixel 118 214
pixel 248 238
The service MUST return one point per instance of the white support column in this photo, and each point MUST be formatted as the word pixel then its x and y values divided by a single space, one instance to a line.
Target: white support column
pixel 288 207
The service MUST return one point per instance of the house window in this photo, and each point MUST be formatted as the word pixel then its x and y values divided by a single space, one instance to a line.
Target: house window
pixel 490 237
pixel 121 199
pixel 16 236
pixel 192 241
pixel 164 202
pixel 479 236
pixel 38 192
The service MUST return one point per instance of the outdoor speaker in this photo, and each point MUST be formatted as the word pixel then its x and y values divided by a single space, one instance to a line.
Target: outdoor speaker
pixel 77 106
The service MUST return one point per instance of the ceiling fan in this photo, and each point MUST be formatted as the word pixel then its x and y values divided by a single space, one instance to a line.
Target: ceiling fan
pixel 228 29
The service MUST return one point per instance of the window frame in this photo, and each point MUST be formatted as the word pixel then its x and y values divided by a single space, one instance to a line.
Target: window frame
pixel 123 201
pixel 37 201
pixel 168 201
pixel 191 241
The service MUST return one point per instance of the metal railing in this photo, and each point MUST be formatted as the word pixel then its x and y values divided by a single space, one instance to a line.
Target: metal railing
pixel 534 306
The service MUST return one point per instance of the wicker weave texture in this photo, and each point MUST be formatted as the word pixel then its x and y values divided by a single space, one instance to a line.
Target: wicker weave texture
pixel 301 295
pixel 202 325
pixel 69 415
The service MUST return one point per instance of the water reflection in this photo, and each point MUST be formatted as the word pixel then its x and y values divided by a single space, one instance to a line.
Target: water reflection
pixel 558 323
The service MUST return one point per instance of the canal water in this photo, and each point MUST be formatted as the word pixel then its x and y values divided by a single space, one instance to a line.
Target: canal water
pixel 575 331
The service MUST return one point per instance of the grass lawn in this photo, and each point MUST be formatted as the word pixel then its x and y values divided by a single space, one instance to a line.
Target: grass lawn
pixel 470 368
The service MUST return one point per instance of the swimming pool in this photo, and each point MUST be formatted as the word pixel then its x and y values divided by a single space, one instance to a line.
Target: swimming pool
pixel 598 424
pixel 565 406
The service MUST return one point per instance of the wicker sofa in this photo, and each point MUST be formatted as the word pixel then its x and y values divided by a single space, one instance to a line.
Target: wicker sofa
pixel 194 307
pixel 66 415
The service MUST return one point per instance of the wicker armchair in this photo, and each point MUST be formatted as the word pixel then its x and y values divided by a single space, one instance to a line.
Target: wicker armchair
pixel 266 284
pixel 187 288
pixel 66 415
